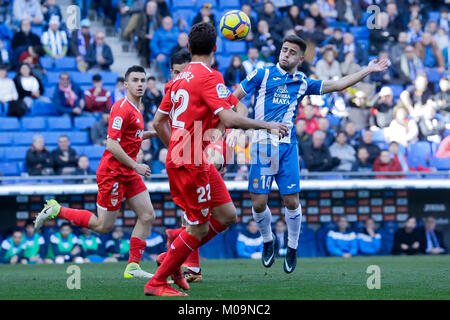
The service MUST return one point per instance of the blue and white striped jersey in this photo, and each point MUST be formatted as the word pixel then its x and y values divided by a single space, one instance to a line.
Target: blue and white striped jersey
pixel 278 95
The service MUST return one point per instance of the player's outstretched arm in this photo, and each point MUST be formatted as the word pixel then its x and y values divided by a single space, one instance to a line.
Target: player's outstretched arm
pixel 116 150
pixel 162 127
pixel 348 81
pixel 149 134
pixel 232 119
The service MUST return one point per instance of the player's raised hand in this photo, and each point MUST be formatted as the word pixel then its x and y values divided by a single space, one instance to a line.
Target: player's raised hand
pixel 378 65
pixel 142 169
pixel 281 128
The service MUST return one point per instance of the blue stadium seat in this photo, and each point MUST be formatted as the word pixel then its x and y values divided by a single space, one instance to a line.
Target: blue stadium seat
pixel 59 123
pixel 9 124
pixel 220 45
pixel 307 243
pixel 23 138
pixel 419 153
pixel 440 163
pixel 432 74
pixel 360 32
pixel 397 89
pixel 84 122
pixel 51 137
pixel 230 237
pixel 49 91
pixel 81 78
pixel 66 64
pixel 94 152
pixel 52 78
pixel 37 30
pixel 9 169
pixel 109 78
pixel 34 123
pixel 223 61
pixel 433 15
pixel 339 24
pixel 21 166
pixel 78 137
pixel 363 43
pixel 229 4
pixel 333 120
pixel 11 74
pixel 94 165
pixel 79 149
pixel 365 16
pixel 43 108
pixel 15 153
pixel 185 13
pixel 47 63
pixel 387 232
pixel 235 47
pixel 378 135
pixel 214 249
pixel 182 4
pixel 6 138
pixel 199 3
pixel 321 238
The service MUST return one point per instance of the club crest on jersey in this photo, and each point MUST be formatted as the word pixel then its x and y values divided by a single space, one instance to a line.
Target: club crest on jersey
pixel 114 201
pixel 205 212
pixel 139 133
pixel 222 91
pixel 117 123
pixel 255 184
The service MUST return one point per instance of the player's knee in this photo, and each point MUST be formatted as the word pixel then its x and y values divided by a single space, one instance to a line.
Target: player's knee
pixel 104 227
pixel 230 218
pixel 291 203
pixel 259 206
pixel 147 218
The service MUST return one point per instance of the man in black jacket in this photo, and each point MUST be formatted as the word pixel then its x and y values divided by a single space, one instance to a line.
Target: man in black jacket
pixel 316 156
pixel 99 55
pixel 367 142
pixel 65 158
pixel 407 240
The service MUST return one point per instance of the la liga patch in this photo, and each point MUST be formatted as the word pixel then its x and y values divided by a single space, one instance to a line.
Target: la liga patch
pixel 222 91
pixel 117 123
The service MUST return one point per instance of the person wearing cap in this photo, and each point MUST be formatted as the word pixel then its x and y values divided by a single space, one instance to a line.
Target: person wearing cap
pixel 205 15
pixel 81 40
pixel 54 40
pixel 97 98
pixel 384 105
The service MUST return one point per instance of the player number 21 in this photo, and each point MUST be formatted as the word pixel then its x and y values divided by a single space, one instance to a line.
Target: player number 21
pixel 175 97
pixel 202 192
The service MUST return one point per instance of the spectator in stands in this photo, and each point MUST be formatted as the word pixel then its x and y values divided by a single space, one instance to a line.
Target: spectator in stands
pixel 314 13
pixel 129 16
pixel 151 99
pixel 120 91
pixel 249 242
pixel 34 246
pixel 407 240
pixel 235 73
pixel 309 116
pixel 395 20
pixel 253 62
pixel 81 40
pixel 353 136
pixel 65 245
pixel 384 106
pixel 292 20
pixel 159 166
pixel 99 130
pixel 397 49
pixel 431 127
pixel 8 90
pixel 12 248
pixel 155 245
pixel 384 163
pixel 92 247
pixel 348 11
pixel 149 21
pixel 348 66
pixel 336 39
pixel 270 15
pixel 27 9
pixel 24 38
pixel 328 67
pixel 147 154
pixel 281 238
pixel 311 34
pixel 49 9
pixel 343 151
pixel 38 158
pixel 386 77
pixel 29 89
pixel 349 45
pixel 118 247
pixel 432 239
pixel 443 20
pixel 267 41
pixel 163 41
pixel 415 31
pixel 4 54
pixel 342 242
pixel 98 99
pixel 182 43
pixel 402 129
pixel 358 112
pixel 55 40
pixel 324 125
pixel 379 37
pixel 68 97
pixel 409 65
pixel 303 138
pixel 316 156
pixel 31 56
pixel 442 97
pixel 83 169
pixel 415 97
pixel 65 159
pixel 99 55
pixel 362 163
pixel 205 15
pixel 369 241
pixel 372 148
pixel 398 154
pixel 428 51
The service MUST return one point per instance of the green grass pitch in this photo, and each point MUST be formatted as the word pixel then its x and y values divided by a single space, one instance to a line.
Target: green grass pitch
pixel 415 277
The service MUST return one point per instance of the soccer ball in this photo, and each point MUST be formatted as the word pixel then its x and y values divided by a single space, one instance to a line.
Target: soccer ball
pixel 235 25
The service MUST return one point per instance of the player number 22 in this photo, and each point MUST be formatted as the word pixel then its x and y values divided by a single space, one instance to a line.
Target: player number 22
pixel 175 97
pixel 202 192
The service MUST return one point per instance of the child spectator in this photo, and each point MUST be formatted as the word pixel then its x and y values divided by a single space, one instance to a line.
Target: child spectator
pixel 249 242
pixel 342 242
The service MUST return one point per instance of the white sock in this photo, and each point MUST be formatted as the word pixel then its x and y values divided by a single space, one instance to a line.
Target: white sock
pixel 264 220
pixel 294 223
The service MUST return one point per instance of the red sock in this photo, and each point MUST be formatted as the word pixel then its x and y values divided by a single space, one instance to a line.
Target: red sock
pixel 79 217
pixel 193 261
pixel 137 247
pixel 180 249
pixel 215 227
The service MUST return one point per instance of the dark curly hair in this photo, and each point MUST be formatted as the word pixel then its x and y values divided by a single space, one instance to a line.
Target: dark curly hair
pixel 202 38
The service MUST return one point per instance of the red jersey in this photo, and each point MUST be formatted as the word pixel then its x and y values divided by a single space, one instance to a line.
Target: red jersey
pixel 125 125
pixel 192 100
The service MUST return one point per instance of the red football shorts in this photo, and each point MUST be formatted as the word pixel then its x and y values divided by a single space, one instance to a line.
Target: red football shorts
pixel 113 189
pixel 197 189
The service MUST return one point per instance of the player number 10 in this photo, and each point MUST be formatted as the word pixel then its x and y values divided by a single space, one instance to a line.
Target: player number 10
pixel 202 192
